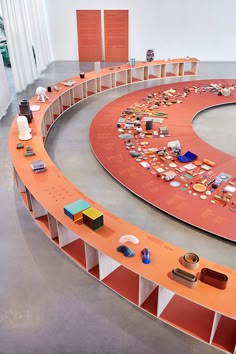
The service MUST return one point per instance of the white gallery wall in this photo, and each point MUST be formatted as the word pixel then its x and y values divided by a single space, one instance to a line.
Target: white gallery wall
pixel 175 28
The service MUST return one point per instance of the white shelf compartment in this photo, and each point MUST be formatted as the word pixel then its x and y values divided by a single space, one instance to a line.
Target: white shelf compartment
pixel 223 335
pixel 190 68
pixel 91 87
pixel 154 72
pixel 78 93
pixel 106 82
pixel 56 108
pixel 172 69
pixel 65 236
pixel 148 295
pixel 119 278
pixel 137 74
pixel 92 260
pixel 121 78
pixel 47 121
pixel 76 251
pixel 185 314
pixel 67 99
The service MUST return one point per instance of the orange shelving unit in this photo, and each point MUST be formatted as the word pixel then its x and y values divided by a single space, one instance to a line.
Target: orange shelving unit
pixel 149 287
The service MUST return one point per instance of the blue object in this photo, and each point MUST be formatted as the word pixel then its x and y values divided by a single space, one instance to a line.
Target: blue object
pixel 75 209
pixel 134 153
pixel 132 61
pixel 187 157
pixel 127 252
pixel 145 256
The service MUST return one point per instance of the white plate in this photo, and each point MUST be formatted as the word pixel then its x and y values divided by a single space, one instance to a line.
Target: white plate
pixel 35 108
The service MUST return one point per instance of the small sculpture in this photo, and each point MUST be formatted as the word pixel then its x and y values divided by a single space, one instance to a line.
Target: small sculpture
pixel 23 128
pixel 145 256
pixel 25 110
pixel 149 55
pixel 41 94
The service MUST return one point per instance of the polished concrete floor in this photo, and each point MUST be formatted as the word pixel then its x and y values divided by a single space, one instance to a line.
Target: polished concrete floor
pixel 48 304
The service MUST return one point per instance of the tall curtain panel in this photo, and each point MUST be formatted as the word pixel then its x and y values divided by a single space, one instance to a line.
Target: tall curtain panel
pixel 25 30
pixel 5 98
pixel 19 43
pixel 39 33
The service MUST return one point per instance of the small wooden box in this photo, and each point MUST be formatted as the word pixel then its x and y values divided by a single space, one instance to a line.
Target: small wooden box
pixel 93 218
pixel 75 209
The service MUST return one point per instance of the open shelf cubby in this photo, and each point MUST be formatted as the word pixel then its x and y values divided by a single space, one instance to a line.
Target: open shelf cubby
pixel 37 208
pixel 154 72
pixel 189 317
pixel 67 99
pixel 137 74
pixel 65 235
pixel 76 251
pixel 148 295
pixel 124 282
pixel 92 261
pixel 121 78
pixel 190 68
pixel 91 87
pixel 224 337
pixel 106 82
pixel 56 108
pixel 172 69
pixel 43 223
pixel 78 93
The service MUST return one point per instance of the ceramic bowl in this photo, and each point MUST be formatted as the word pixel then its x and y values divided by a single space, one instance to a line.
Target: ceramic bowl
pixel 198 187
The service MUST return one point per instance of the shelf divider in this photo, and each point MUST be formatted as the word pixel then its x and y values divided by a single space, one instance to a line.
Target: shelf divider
pixel 65 236
pixel 19 183
pixel 38 209
pixel 146 287
pixel 216 320
pixel 52 223
pixel 106 265
pixel 91 255
pixel 164 297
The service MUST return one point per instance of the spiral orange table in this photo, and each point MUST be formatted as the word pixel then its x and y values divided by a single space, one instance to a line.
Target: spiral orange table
pixel 205 312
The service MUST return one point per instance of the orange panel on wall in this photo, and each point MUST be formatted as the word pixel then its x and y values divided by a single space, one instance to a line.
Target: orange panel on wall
pixel 89 35
pixel 116 31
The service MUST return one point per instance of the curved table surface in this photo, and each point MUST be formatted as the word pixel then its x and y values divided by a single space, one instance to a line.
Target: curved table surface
pixel 181 202
pixel 53 191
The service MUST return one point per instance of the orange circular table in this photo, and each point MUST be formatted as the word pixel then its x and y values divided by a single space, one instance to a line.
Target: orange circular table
pixel 203 210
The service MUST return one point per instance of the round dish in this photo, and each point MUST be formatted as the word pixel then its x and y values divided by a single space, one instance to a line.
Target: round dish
pixel 174 184
pixel 198 187
pixel 35 108
pixel 223 176
pixel 126 136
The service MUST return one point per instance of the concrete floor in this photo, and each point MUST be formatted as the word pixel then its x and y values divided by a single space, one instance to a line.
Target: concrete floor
pixel 48 304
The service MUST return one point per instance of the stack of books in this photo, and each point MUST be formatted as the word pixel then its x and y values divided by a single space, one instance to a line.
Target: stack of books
pixel 38 166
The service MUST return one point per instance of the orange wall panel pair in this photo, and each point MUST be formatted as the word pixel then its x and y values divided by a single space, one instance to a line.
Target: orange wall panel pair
pixel 90 35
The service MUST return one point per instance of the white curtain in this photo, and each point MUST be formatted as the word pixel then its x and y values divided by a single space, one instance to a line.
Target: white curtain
pixel 5 98
pixel 39 33
pixel 24 26
pixel 19 43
